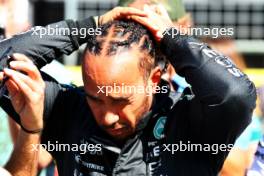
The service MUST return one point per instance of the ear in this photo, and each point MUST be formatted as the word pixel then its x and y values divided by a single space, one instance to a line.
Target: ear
pixel 154 78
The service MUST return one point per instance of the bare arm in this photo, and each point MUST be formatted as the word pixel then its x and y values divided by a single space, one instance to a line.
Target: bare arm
pixel 45 157
pixel 26 91
pixel 24 159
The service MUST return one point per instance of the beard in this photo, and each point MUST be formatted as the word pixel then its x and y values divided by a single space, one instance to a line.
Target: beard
pixel 130 130
pixel 145 107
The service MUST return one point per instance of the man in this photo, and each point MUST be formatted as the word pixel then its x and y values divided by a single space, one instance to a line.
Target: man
pixel 136 132
pixel 29 103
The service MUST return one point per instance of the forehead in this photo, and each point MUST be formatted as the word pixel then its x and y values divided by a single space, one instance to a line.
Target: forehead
pixel 121 68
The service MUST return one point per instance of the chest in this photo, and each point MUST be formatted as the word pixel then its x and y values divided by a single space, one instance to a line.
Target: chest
pixel 141 155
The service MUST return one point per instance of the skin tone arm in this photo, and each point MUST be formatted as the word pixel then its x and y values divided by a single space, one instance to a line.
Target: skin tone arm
pixel 45 157
pixel 23 160
pixel 27 97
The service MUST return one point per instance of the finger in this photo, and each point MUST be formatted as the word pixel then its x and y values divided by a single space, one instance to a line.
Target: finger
pixel 23 87
pixel 145 22
pixel 30 69
pixel 21 80
pixel 1 76
pixel 139 20
pixel 21 57
pixel 12 88
pixel 156 32
pixel 14 95
pixel 130 11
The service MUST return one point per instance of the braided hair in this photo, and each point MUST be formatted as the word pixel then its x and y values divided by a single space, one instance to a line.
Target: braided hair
pixel 124 34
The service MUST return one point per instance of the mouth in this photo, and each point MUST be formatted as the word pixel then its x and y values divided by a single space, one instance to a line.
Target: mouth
pixel 117 132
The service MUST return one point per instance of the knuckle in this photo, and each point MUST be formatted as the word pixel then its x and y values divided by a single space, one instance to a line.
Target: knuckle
pixel 34 68
pixel 26 58
pixel 29 61
pixel 39 95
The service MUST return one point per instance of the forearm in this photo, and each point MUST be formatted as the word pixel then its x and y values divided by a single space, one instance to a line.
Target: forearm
pixel 43 48
pixel 24 159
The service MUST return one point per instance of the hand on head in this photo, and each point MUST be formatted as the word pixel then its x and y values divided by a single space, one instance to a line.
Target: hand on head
pixel 155 18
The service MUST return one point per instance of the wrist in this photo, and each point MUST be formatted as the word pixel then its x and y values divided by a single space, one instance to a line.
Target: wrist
pixel 29 138
pixel 31 131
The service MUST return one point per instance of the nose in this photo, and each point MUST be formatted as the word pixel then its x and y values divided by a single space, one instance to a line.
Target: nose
pixel 110 118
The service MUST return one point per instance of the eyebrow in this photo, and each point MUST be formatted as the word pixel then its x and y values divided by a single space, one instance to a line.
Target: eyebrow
pixel 122 98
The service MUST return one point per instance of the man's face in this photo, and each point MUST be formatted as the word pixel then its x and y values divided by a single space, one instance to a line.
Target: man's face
pixel 112 86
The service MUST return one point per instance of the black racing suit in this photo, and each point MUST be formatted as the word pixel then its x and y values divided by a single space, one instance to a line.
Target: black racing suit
pixel 183 134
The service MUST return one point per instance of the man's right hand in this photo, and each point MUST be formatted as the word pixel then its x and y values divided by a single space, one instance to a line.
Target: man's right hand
pixel 118 13
pixel 157 20
pixel 26 90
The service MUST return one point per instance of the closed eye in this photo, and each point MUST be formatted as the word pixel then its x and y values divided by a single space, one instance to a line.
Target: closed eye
pixel 93 98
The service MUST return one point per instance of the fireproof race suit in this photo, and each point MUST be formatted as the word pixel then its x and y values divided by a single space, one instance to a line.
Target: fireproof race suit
pixel 186 134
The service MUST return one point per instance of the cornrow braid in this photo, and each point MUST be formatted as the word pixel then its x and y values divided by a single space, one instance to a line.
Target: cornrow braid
pixel 123 34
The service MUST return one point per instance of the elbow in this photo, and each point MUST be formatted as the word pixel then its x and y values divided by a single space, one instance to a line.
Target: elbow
pixel 245 96
pixel 242 101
